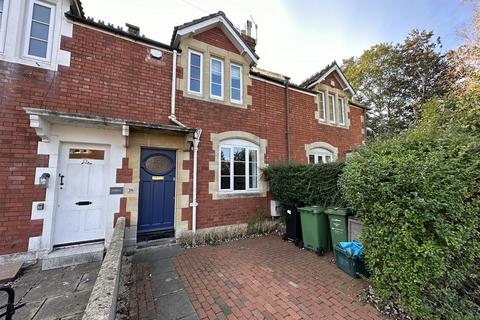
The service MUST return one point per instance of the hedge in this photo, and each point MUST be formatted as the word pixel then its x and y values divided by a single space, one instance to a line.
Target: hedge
pixel 305 184
pixel 418 196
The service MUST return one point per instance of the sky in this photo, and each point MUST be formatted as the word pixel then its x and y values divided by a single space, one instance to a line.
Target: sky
pixel 298 37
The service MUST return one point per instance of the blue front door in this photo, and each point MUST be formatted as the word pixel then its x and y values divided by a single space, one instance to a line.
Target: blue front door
pixel 157 190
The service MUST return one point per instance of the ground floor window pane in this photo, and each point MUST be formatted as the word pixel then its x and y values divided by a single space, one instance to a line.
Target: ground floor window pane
pixel 239 183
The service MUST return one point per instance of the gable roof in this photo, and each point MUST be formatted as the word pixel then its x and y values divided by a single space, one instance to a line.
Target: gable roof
pixel 77 8
pixel 207 22
pixel 322 74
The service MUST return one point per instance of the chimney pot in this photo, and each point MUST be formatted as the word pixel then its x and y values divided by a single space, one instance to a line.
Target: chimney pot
pixel 249 28
pixel 133 29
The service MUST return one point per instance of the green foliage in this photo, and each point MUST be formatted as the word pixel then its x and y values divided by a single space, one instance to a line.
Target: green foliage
pixel 305 184
pixel 418 196
pixel 393 80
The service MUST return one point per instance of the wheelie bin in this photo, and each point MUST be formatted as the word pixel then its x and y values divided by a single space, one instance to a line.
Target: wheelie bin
pixel 293 224
pixel 316 235
pixel 338 224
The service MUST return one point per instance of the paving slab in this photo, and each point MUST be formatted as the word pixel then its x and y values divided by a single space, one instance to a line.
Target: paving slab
pixel 9 271
pixel 53 294
pixel 157 292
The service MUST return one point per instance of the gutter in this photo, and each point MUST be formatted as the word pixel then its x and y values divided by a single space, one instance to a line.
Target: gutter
pixel 118 31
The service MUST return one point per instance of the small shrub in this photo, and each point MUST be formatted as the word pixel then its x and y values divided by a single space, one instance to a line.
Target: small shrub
pixel 306 184
pixel 418 196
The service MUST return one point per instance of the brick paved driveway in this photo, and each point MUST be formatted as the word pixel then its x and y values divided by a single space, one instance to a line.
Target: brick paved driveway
pixel 266 278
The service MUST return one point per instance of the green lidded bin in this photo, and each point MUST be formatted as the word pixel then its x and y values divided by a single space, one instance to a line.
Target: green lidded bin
pixel 338 224
pixel 315 232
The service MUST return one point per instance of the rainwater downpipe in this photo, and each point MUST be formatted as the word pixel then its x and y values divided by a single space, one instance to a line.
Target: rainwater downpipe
pixel 196 140
pixel 172 116
pixel 194 204
pixel 287 120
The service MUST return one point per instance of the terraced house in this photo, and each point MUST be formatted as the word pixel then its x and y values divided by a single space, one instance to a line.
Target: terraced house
pixel 99 122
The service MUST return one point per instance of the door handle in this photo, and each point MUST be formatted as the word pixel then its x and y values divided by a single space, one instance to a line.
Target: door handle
pixel 61 178
pixel 83 203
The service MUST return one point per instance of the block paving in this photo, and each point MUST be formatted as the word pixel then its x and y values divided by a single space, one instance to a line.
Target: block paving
pixel 266 278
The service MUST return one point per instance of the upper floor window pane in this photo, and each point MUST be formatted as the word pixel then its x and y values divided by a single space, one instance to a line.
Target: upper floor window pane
pixel 216 78
pixel 332 108
pixel 3 5
pixel 195 72
pixel 236 83
pixel 1 13
pixel 40 30
pixel 341 110
pixel 321 107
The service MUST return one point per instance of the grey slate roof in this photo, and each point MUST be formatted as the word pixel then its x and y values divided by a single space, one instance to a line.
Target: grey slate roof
pixel 213 15
pixel 305 83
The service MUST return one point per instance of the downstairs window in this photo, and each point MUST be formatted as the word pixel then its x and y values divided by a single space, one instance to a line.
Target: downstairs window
pixel 238 166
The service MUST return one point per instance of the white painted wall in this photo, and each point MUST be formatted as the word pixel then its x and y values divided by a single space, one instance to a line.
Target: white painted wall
pixel 70 134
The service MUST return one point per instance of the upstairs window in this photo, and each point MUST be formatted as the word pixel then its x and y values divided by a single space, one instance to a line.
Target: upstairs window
pixel 40 30
pixel 331 106
pixel 3 22
pixel 195 72
pixel 238 166
pixel 216 78
pixel 320 155
pixel 321 106
pixel 341 111
pixel 236 83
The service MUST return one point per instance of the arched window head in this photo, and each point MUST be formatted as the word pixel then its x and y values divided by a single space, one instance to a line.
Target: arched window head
pixel 239 163
pixel 320 155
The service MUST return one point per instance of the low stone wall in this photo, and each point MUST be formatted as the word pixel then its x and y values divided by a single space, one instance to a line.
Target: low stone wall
pixel 102 304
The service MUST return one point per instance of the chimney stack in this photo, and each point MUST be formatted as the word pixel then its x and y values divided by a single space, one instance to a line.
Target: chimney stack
pixel 249 28
pixel 133 29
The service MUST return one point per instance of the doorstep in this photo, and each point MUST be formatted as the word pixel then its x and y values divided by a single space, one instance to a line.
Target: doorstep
pixel 73 255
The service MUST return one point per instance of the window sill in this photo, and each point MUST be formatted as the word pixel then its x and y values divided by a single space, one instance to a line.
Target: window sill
pixel 209 99
pixel 234 195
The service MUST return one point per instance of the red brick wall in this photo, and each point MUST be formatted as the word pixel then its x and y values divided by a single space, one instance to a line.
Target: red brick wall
pixel 216 38
pixel 114 77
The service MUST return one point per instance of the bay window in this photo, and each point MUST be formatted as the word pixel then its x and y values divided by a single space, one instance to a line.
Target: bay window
pixel 236 83
pixel 238 166
pixel 39 38
pixel 195 72
pixel 216 78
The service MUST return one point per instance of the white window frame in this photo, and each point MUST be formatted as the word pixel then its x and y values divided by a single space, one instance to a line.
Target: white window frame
pixel 220 97
pixel 332 108
pixel 322 107
pixel 51 28
pixel 232 65
pixel 341 111
pixel 201 72
pixel 321 153
pixel 3 25
pixel 248 146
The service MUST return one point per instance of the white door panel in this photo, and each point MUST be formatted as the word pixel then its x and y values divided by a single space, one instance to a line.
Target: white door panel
pixel 82 192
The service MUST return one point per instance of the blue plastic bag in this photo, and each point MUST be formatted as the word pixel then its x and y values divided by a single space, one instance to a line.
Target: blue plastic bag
pixel 354 248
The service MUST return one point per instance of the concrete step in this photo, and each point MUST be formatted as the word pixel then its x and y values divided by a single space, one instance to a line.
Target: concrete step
pixel 73 255
pixel 166 242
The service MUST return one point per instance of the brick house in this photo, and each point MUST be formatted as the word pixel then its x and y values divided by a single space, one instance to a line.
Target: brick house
pixel 98 122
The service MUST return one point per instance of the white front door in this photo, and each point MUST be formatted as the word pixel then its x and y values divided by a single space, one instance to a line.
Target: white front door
pixel 80 214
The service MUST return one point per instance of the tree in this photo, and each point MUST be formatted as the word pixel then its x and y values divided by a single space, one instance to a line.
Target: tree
pixel 394 80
